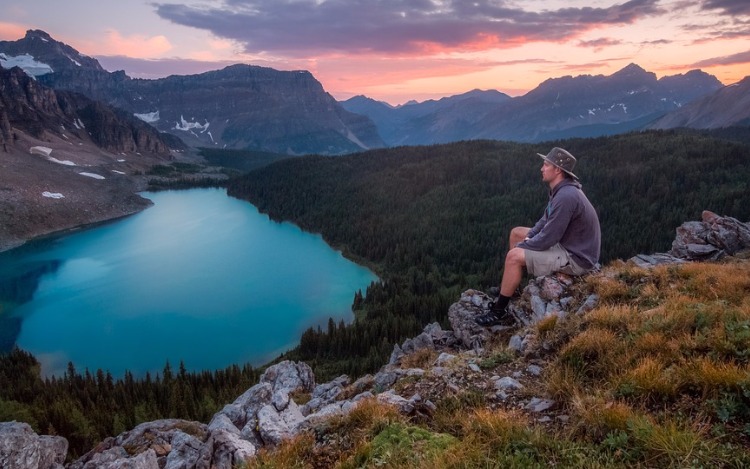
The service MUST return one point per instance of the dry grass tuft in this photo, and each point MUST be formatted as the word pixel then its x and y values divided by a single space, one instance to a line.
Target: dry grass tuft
pixel 710 378
pixel 709 282
pixel 422 358
pixel 650 379
pixel 619 319
pixel 598 416
pixel 293 454
pixel 546 326
pixel 594 353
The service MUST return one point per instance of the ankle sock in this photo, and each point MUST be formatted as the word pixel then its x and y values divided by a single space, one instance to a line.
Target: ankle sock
pixel 501 302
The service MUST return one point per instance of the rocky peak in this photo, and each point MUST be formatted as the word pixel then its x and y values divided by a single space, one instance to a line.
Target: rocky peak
pixel 37 110
pixel 634 71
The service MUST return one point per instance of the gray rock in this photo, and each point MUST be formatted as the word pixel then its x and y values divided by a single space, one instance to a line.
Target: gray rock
pixel 186 452
pixel 461 317
pixel 384 379
pixel 229 451
pixel 396 355
pixel 507 383
pixel 590 303
pixel 539 405
pixel 289 377
pixel 275 426
pixel 445 359
pixel 710 239
pixel 405 406
pixel 475 368
pixel 156 436
pixel 550 289
pixel 22 448
pixel 516 343
pixel 535 370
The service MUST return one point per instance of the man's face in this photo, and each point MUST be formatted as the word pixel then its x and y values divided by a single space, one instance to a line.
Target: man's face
pixel 549 172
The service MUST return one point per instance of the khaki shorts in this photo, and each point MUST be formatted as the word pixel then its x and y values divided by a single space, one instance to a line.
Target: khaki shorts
pixel 554 259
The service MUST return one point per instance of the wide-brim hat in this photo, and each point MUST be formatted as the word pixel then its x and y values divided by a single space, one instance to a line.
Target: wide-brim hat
pixel 562 159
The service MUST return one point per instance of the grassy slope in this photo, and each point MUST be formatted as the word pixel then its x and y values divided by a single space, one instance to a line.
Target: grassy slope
pixel 657 376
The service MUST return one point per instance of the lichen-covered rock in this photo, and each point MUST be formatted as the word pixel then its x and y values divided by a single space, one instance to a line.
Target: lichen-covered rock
pixel 462 314
pixel 22 448
pixel 711 238
pixel 128 448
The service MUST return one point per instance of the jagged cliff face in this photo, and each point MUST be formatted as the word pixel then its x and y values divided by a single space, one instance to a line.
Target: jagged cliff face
pixel 241 106
pixel 38 110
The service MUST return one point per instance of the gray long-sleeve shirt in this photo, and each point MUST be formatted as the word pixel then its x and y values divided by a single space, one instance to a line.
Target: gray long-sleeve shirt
pixel 570 220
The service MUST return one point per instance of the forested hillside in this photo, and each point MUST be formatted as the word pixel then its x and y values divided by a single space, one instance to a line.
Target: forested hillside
pixel 433 221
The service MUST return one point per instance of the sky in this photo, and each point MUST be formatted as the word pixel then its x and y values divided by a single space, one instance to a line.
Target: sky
pixel 400 50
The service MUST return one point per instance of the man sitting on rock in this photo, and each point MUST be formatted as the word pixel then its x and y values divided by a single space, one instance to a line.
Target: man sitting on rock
pixel 566 239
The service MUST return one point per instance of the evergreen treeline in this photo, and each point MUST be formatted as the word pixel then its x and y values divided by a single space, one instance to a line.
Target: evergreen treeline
pixel 85 408
pixel 433 221
pixel 241 160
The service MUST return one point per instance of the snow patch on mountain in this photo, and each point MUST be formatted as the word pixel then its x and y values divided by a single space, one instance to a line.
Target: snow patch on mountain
pixel 27 63
pixel 189 126
pixel 92 175
pixel 148 117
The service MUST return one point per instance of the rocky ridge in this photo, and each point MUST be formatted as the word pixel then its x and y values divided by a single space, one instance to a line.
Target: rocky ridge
pixel 287 400
pixel 240 106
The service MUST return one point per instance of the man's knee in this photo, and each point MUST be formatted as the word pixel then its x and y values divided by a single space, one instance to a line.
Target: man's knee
pixel 517 235
pixel 516 257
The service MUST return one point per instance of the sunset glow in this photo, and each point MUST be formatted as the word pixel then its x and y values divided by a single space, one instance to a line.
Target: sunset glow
pixel 396 50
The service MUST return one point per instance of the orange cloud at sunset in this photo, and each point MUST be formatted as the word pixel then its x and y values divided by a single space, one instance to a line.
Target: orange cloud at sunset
pixel 11 31
pixel 140 46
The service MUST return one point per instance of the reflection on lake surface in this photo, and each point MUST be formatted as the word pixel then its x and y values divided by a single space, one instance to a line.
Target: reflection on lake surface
pixel 198 277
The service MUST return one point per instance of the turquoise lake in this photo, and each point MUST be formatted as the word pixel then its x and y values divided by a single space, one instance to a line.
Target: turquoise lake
pixel 199 277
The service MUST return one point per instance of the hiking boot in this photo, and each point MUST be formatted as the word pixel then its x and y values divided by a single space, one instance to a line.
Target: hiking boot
pixel 494 316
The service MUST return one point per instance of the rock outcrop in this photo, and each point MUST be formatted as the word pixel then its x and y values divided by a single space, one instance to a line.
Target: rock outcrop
pixel 21 448
pixel 711 239
pixel 39 110
pixel 287 401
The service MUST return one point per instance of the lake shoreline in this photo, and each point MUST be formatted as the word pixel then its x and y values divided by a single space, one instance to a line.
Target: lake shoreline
pixel 197 266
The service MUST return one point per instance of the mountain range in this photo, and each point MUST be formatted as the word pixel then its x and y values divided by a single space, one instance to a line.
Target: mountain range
pixel 241 106
pixel 257 108
pixel 582 106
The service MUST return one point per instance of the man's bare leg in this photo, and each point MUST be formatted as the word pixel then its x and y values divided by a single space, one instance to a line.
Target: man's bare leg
pixel 517 235
pixel 515 261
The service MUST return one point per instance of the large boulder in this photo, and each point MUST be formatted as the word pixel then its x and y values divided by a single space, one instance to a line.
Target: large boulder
pixel 22 448
pixel 462 314
pixel 151 442
pixel 711 238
